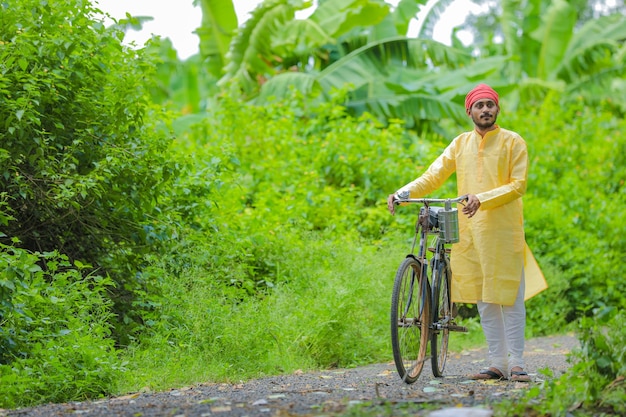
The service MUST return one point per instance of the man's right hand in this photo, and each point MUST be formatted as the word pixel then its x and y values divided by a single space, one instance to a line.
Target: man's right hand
pixel 390 204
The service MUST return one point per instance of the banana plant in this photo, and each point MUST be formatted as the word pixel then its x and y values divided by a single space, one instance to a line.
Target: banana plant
pixel 553 49
pixel 594 63
pixel 361 46
pixel 272 41
pixel 419 81
pixel 356 46
pixel 219 24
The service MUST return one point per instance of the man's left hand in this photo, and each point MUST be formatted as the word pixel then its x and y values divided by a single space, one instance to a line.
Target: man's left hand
pixel 472 206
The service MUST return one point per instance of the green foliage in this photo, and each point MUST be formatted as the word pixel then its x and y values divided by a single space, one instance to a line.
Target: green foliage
pixel 316 320
pixel 574 207
pixel 540 47
pixel 603 360
pixel 55 336
pixel 313 165
pixel 76 161
pixel 594 385
pixel 82 158
pixel 219 23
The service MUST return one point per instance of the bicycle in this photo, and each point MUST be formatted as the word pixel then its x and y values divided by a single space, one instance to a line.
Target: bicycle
pixel 421 307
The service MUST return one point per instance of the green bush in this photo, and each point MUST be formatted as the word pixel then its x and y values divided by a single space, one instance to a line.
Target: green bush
pixel 574 208
pixel 331 309
pixel 83 152
pixel 55 338
pixel 594 385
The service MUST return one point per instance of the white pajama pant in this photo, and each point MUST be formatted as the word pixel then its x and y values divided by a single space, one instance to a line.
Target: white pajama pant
pixel 503 327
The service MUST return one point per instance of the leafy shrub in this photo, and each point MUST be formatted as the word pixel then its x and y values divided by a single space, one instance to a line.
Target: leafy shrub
pixel 82 158
pixel 55 338
pixel 594 385
pixel 331 309
pixel 602 359
pixel 573 211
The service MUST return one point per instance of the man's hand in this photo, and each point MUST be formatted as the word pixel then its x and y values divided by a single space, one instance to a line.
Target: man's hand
pixel 472 206
pixel 390 206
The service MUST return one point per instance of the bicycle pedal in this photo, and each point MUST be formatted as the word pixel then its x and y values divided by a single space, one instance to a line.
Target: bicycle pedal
pixel 457 328
pixel 447 250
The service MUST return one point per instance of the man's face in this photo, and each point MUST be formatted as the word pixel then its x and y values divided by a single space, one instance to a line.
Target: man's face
pixel 484 113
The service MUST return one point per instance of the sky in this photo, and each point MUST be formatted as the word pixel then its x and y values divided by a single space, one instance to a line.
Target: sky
pixel 177 20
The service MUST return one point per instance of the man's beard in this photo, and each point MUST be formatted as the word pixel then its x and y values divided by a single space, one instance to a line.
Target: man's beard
pixel 485 124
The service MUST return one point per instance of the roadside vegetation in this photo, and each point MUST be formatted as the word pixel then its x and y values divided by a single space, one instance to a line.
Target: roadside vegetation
pixel 156 232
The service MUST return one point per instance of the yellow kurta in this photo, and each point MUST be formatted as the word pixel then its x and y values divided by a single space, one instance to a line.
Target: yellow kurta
pixel 488 260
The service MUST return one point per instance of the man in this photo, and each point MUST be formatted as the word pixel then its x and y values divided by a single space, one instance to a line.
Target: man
pixel 491 265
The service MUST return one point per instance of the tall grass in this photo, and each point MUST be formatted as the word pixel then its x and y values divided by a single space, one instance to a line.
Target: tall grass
pixel 332 312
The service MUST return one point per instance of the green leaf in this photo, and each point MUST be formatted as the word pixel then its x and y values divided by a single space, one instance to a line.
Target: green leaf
pixel 250 53
pixel 340 16
pixel 280 85
pixel 404 13
pixel 7 284
pixel 219 23
pixel 554 35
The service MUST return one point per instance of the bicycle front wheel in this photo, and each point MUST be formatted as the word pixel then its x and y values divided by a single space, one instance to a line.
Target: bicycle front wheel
pixel 410 318
pixel 442 317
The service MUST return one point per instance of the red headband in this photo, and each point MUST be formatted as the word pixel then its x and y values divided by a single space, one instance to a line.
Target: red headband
pixel 480 92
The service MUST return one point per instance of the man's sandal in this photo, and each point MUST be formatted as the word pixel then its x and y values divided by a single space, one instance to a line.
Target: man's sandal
pixel 491 373
pixel 520 376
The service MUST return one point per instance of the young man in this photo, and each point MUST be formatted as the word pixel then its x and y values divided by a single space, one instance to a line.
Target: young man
pixel 491 265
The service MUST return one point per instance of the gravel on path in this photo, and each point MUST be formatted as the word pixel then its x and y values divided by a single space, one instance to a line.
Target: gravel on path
pixel 326 392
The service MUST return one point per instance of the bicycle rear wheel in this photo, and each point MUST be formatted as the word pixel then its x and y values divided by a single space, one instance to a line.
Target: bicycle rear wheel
pixel 410 318
pixel 442 317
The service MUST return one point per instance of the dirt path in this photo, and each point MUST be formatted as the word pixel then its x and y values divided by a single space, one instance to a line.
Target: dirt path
pixel 326 392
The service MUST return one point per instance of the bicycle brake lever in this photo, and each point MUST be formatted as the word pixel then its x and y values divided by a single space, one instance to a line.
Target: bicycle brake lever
pixel 403 195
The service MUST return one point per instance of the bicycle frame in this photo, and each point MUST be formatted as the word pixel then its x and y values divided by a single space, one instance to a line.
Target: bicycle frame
pixel 423 221
pixel 426 314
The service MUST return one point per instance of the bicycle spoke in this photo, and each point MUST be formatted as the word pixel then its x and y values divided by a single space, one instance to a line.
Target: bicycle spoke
pixel 442 316
pixel 410 314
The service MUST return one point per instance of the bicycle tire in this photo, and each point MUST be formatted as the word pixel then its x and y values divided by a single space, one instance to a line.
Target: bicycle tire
pixel 442 317
pixel 410 318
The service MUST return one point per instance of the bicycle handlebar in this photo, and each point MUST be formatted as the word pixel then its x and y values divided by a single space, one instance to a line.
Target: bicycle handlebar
pixel 404 198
